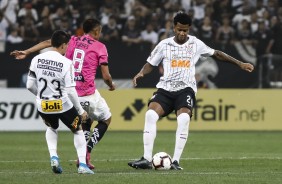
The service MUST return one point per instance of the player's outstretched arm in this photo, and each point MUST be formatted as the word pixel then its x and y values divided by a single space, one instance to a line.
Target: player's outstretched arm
pixel 19 54
pixel 225 57
pixel 147 68
pixel 107 77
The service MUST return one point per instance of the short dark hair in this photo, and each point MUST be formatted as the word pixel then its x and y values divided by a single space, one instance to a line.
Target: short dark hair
pixel 89 24
pixel 59 37
pixel 182 18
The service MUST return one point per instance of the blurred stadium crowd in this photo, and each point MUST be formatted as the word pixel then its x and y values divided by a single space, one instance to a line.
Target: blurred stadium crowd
pixel 253 27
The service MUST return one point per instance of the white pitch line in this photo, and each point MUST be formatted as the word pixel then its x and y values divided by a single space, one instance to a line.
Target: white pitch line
pixel 128 159
pixel 212 158
pixel 168 172
pixel 234 158
pixel 153 172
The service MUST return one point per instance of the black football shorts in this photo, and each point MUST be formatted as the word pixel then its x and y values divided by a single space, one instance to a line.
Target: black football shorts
pixel 70 118
pixel 174 100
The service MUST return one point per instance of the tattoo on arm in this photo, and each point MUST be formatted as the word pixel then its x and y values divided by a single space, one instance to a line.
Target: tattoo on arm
pixel 109 82
pixel 225 57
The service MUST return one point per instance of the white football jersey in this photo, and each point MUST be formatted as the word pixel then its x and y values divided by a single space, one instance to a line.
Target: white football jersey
pixel 178 62
pixel 54 73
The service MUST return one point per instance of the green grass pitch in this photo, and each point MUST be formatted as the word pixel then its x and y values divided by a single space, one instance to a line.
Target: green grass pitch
pixel 209 157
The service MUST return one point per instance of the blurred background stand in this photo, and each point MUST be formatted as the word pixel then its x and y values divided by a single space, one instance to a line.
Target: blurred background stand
pixel 270 71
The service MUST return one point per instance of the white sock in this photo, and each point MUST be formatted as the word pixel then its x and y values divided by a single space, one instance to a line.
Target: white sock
pixel 181 135
pixel 80 146
pixel 149 134
pixel 51 136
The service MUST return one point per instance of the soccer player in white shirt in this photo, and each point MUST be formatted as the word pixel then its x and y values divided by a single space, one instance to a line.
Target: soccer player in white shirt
pixel 176 89
pixel 87 54
pixel 51 80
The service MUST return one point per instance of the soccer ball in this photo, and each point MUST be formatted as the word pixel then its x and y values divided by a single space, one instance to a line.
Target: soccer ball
pixel 161 161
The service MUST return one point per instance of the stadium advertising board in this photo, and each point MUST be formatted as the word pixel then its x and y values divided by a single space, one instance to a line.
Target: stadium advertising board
pixel 234 109
pixel 18 111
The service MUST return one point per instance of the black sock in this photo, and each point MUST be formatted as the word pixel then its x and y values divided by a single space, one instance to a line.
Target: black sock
pixel 97 135
pixel 86 128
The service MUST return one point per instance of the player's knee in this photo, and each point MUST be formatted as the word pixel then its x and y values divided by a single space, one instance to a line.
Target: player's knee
pixel 86 125
pixel 185 110
pixel 183 120
pixel 87 121
pixel 151 116
pixel 190 113
pixel 107 122
pixel 55 126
